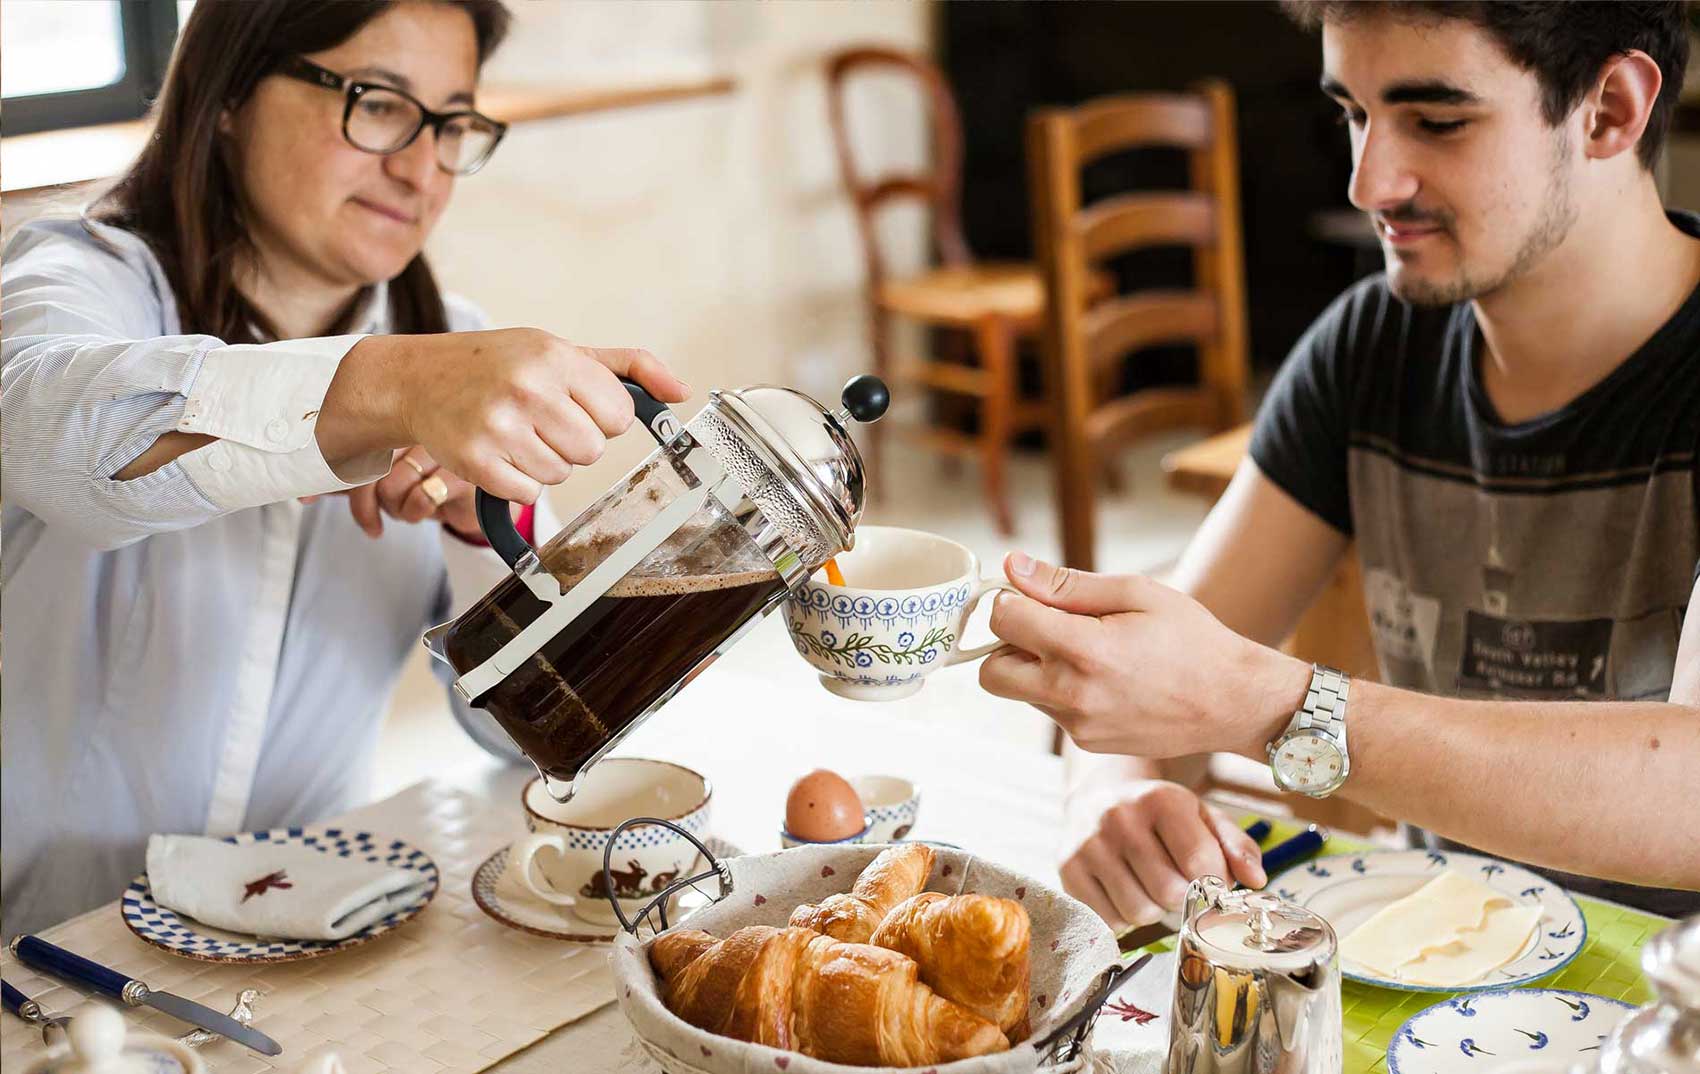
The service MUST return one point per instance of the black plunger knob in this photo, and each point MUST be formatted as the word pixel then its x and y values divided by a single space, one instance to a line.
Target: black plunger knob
pixel 866 398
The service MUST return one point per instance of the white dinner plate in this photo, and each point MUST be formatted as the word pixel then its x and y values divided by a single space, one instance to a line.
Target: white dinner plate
pixel 1347 889
pixel 1548 1024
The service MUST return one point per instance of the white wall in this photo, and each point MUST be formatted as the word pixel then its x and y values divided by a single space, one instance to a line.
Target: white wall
pixel 713 232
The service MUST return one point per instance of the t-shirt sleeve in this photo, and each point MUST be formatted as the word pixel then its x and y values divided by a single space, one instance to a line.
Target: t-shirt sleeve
pixel 1299 439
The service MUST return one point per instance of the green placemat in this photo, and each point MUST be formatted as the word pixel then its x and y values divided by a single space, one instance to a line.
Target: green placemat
pixel 1609 965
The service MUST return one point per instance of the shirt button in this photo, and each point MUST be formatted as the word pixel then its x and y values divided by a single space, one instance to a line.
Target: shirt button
pixel 218 460
pixel 276 430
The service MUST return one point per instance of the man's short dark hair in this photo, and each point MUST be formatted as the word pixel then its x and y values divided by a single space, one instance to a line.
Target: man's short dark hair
pixel 1564 44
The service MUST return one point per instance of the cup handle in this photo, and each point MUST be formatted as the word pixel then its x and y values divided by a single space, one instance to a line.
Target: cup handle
pixel 960 656
pixel 520 859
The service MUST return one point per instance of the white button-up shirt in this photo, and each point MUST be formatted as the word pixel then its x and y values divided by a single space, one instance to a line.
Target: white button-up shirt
pixel 192 650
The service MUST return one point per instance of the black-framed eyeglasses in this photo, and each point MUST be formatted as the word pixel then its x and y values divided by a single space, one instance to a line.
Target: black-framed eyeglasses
pixel 382 119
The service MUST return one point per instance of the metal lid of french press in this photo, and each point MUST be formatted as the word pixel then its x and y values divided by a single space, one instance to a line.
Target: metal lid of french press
pixel 810 447
pixel 1258 930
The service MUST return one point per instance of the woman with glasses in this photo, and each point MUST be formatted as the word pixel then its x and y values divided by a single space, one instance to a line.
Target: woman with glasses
pixel 198 638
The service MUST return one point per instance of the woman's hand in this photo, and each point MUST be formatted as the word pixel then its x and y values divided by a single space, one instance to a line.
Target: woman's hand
pixel 510 410
pixel 415 490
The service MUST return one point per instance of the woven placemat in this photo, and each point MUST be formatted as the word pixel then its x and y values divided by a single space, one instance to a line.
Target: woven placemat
pixel 1609 965
pixel 451 991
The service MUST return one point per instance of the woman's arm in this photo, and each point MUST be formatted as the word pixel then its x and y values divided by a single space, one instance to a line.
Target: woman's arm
pixel 89 387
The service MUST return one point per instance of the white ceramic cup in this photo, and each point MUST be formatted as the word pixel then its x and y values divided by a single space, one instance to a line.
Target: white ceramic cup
pixel 560 860
pixel 898 619
pixel 891 803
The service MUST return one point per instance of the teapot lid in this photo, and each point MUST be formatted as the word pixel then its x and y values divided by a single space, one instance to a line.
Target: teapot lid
pixel 96 1042
pixel 1671 961
pixel 809 447
pixel 1251 930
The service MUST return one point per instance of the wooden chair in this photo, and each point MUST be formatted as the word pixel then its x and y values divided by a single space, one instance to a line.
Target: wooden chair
pixel 1085 343
pixel 993 304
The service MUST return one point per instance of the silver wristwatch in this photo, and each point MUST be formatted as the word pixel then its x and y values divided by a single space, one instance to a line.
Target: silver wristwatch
pixel 1310 756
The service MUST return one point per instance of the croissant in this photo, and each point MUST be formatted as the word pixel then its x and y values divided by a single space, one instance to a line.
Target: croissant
pixel 970 949
pixel 801 991
pixel 896 874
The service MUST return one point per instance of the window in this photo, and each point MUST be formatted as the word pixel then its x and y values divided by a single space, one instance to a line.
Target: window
pixel 70 65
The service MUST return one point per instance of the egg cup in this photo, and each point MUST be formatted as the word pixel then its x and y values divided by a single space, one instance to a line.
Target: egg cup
pixel 787 840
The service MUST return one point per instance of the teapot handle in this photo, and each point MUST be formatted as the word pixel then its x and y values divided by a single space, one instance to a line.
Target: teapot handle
pixel 495 515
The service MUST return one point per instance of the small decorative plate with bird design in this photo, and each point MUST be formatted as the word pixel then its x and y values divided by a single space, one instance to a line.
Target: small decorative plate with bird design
pixel 1491 1030
pixel 191 939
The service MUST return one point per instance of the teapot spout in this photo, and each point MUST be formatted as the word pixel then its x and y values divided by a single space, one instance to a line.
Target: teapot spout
pixel 435 640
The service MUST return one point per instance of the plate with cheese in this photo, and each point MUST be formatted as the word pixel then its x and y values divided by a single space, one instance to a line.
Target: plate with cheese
pixel 1426 921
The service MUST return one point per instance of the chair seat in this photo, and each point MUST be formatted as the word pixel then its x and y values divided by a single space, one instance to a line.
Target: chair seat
pixel 966 293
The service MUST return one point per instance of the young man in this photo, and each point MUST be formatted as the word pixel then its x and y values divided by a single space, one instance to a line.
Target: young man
pixel 1506 422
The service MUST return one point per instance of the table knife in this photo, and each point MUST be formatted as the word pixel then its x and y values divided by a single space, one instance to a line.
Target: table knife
pixel 37 953
pixel 1276 858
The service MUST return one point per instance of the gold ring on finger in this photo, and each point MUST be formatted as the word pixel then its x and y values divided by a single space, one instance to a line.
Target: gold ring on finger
pixel 413 462
pixel 436 488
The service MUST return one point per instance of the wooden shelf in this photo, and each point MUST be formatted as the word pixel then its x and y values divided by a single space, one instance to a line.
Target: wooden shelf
pixel 33 162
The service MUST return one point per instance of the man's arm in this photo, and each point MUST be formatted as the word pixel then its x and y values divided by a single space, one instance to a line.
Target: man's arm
pixel 1601 788
pixel 1256 564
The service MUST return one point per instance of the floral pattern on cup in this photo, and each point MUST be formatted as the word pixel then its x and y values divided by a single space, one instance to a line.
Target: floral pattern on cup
pixel 892 804
pixel 857 650
pixel 879 641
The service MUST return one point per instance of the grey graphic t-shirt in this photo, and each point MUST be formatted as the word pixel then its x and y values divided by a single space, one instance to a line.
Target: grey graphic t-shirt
pixel 1551 559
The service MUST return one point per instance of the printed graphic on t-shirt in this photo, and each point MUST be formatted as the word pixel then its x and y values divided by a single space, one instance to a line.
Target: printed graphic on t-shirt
pixel 1534 658
pixel 1402 623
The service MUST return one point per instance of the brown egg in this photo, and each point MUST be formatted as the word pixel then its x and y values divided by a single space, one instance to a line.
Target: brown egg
pixel 822 807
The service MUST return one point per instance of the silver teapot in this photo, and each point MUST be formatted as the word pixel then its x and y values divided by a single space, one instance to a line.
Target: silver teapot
pixel 1257 986
pixel 1664 1036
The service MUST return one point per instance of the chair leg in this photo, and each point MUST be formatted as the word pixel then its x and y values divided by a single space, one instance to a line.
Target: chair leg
pixel 996 341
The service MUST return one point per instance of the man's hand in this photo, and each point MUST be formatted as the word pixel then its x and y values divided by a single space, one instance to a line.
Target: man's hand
pixel 1136 847
pixel 1127 665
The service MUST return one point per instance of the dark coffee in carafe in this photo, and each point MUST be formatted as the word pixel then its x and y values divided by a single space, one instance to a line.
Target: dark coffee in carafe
pixel 624 652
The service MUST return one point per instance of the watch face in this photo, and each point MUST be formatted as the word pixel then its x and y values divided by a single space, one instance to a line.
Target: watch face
pixel 1308 763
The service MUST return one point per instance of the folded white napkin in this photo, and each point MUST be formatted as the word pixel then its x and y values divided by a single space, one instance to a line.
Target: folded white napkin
pixel 265 889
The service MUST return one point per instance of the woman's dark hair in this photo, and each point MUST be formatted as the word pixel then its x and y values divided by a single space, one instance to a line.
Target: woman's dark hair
pixel 1564 44
pixel 182 197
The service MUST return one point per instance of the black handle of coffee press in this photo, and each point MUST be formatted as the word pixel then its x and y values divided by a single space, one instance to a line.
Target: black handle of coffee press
pixel 496 516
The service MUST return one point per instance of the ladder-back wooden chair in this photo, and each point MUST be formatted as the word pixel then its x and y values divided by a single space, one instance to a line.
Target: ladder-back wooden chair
pixel 1086 341
pixel 993 304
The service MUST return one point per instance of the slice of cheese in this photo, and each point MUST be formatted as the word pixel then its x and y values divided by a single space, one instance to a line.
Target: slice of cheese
pixel 1475 954
pixel 1452 925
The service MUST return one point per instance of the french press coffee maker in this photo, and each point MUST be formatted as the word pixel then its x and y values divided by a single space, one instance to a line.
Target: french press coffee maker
pixel 597 629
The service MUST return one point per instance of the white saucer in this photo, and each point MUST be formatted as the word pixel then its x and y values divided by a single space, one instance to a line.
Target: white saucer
pixel 500 896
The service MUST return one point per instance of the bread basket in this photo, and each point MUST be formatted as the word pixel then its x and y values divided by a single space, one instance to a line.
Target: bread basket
pixel 1075 964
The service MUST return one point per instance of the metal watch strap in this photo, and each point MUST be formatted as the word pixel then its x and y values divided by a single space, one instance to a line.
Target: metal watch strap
pixel 1324 707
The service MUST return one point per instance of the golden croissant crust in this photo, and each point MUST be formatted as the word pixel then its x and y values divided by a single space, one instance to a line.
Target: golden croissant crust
pixel 970 949
pixel 802 991
pixel 898 873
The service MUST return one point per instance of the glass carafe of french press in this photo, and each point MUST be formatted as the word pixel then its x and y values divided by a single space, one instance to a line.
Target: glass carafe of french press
pixel 598 628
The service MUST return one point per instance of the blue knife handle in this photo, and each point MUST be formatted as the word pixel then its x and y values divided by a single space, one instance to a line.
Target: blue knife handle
pixel 1258 830
pixel 11 998
pixel 1300 846
pixel 36 952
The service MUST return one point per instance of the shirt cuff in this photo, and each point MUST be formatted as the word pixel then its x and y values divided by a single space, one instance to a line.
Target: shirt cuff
pixel 262 402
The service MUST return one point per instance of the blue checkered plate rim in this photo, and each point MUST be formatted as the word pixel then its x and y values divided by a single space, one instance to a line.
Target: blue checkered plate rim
pixel 189 938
